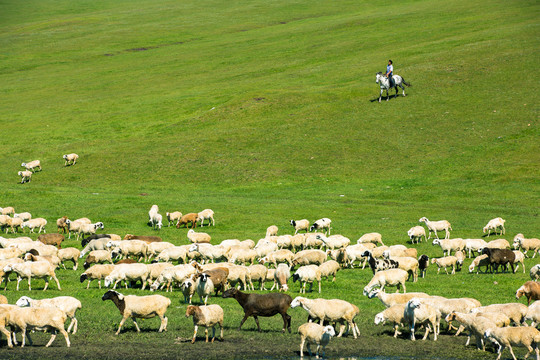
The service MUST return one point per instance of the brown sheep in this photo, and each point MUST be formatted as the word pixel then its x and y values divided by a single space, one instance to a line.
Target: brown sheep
pixel 61 225
pixel 126 261
pixel 145 238
pixel 52 239
pixel 186 219
pixel 531 289
pixel 219 278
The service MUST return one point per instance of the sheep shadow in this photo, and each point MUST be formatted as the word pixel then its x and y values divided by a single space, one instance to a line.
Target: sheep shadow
pixel 385 98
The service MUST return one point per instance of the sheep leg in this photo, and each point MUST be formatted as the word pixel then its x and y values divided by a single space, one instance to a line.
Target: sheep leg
pixel 428 329
pixel 412 332
pixel 246 315
pixel 341 329
pixel 511 352
pixel 194 334
pixel 308 349
pixel 121 324
pixel 257 322
pixel 530 349
pixel 24 338
pixel 397 332
pixel 8 335
pixel 53 336
pixel 302 346
pixel 56 280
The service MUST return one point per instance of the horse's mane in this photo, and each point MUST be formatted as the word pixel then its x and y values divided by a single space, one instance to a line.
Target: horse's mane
pixel 379 73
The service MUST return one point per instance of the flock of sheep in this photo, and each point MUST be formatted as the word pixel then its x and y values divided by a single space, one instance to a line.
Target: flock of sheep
pixel 307 256
pixel 35 165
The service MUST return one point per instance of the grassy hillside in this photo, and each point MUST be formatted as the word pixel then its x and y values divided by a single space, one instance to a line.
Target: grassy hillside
pixel 264 112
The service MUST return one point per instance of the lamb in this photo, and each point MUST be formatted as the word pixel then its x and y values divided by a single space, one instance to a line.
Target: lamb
pixel 144 307
pixel 257 272
pixel 186 219
pixel 67 304
pixel 447 261
pixel 188 289
pixel 323 223
pixel 25 175
pixel 154 210
pixel 391 277
pixel 51 239
pixel 482 260
pixel 96 257
pixel 531 290
pixel 417 312
pixel 423 263
pixel 416 233
pixel 271 231
pixel 329 268
pixel 35 223
pixel 206 214
pixel 70 159
pixel 535 272
pixel 278 257
pixel 333 310
pixel 265 305
pixel 207 316
pixel 472 245
pixel 96 272
pixel 307 274
pixel 173 216
pixel 39 269
pixel 300 225
pixel 520 242
pixel 374 238
pixel 62 225
pixel 315 334
pixel 390 300
pixel 128 272
pixel 379 264
pixel 281 276
pixel 31 318
pixel 32 165
pixel 198 237
pixel 435 226
pixel 308 257
pixel 498 244
pixel 449 245
pixel 499 257
pixel 393 315
pixel 515 311
pixel 505 337
pixel 494 224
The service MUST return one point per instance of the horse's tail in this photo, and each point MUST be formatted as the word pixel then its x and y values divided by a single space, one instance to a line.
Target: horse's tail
pixel 406 83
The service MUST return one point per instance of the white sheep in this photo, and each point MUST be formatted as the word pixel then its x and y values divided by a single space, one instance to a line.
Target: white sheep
pixel 533 313
pixel 278 257
pixel 515 311
pixel 417 312
pixel 355 252
pixel 272 230
pixel 25 216
pixel 96 272
pixel 25 175
pixel 170 276
pixel 416 233
pixel 206 214
pixel 308 257
pixel 173 217
pixel 373 238
pixel 155 269
pixel 481 260
pixel 133 248
pixel 32 165
pixel 74 226
pixel 154 209
pixel 198 237
pixel 520 242
pixel 69 253
pixel 393 315
pixel 128 272
pixel 207 316
pixel 89 229
pixel 242 256
pixel 281 276
pixel 406 263
pixel 474 245
pixel 449 245
pixel 535 272
pixel 70 159
pixel 97 244
pixel 204 287
pixel 315 334
pixel 389 300
pixel 259 273
pixel 14 224
pixel 505 337
pixel 300 225
pixel 307 274
pixel 157 222
pixel 67 304
pixel 329 268
pixel 434 226
pixel 494 224
pixel 156 247
pixel 334 241
pixel 498 244
pixel 176 253
pixel 35 223
pixel 391 277
pixel 10 253
pixel 519 259
pixel 446 262
pixel 188 289
pixel 283 241
pixel 39 269
pixel 143 307
pixel 322 224
pixel 312 241
pixel 477 324
pixel 333 310
pixel 8 210
pixel 25 319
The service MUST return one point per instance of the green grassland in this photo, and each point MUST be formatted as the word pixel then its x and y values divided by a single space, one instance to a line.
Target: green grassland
pixel 265 112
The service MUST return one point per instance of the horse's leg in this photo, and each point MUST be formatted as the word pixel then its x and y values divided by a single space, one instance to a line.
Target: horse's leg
pixel 403 88
pixel 380 95
pixel 387 96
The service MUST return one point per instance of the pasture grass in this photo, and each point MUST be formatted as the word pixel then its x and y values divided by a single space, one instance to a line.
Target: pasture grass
pixel 265 112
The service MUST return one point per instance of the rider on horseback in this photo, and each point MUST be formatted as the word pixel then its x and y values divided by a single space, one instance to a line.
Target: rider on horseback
pixel 389 73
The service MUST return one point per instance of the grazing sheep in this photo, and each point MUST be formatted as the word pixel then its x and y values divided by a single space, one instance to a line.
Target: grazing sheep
pixel 535 272
pixel 435 226
pixel 271 231
pixel 533 313
pixel 423 263
pixel 70 159
pixel 4 322
pixel 393 315
pixel 157 222
pixel 447 261
pixel 97 244
pixel 35 223
pixel 186 219
pixel 25 319
pixel 25 216
pixel 25 175
pixel 89 229
pixel 265 305
pixel 300 225
pixel 499 257
pixel 210 253
pixel 257 272
pixel 154 270
pixel 334 241
pixel 515 311
pixel 133 248
pixel 334 310
pixel 281 276
pixel 97 272
pixel 379 264
pixel 219 277
pixel 389 300
pixel 67 304
pixel 10 253
pixel 308 257
pixel 400 251
pixel 475 323
pixel 315 334
pixel 505 337
pixel 482 260
pixel 14 223
pixel 329 268
pixel 143 307
pixel 323 223
pixel 373 238
pixel 198 237
pixel 278 257
pixel 173 217
pixel 312 241
pixel 498 244
pixel 39 269
pixel 62 225
pixel 8 210
pixel 170 276
pixel 391 277
pixel 53 259
pixel 176 253
pixel 75 225
pixel 155 248
pixel 206 214
pixel 406 263
pixel 154 209
pixel 51 239
pixel 32 165
pixel 446 306
pixel 416 233
pixel 307 274
pixel 242 256
pixel 449 245
pixel 474 245
pixel 207 316
pixel 531 290
pixel 97 257
pixel 520 259
pixel 417 312
pixel 128 272
pixel 494 224
pixel 520 242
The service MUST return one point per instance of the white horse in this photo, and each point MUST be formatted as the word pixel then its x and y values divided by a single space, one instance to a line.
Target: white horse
pixel 384 83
